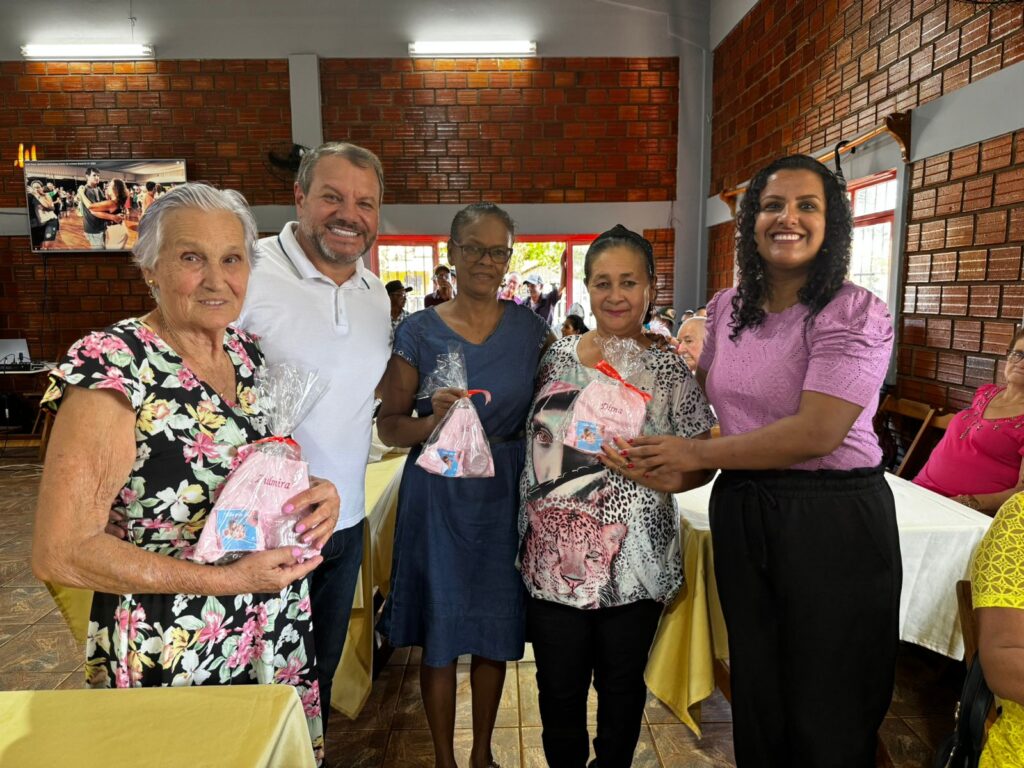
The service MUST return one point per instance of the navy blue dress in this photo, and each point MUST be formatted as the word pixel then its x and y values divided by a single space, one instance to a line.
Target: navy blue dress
pixel 454 584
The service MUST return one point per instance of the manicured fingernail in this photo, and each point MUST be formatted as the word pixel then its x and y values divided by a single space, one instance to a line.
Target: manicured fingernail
pixel 630 466
pixel 306 538
pixel 630 441
pixel 624 452
pixel 288 508
pixel 296 552
pixel 299 528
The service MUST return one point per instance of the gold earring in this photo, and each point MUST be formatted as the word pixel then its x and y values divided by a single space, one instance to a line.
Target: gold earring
pixel 151 282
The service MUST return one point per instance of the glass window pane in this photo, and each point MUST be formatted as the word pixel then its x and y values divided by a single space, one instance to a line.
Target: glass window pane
pixel 871 258
pixel 875 198
pixel 413 265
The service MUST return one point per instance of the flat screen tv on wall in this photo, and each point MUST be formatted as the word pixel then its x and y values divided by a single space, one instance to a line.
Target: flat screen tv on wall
pixel 93 205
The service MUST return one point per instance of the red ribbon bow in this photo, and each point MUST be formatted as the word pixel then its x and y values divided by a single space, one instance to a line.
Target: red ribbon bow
pixel 275 439
pixel 606 368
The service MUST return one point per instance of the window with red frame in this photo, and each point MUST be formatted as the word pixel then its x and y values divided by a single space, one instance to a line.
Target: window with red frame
pixel 873 200
pixel 412 258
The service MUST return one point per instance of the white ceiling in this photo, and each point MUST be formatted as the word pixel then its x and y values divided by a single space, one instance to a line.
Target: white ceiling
pixel 350 28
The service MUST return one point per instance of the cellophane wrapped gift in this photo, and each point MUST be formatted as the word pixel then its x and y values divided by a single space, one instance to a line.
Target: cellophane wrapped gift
pixel 458 446
pixel 248 515
pixel 610 406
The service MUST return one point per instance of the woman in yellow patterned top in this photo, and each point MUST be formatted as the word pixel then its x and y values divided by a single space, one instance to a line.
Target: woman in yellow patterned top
pixel 997 581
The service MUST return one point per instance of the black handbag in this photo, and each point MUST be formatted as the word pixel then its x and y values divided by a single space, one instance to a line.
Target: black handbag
pixel 962 748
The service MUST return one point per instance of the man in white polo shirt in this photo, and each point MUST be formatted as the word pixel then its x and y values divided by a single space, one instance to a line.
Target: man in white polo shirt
pixel 313 302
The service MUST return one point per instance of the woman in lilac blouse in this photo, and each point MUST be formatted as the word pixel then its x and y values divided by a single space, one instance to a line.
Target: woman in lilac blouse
pixel 803 524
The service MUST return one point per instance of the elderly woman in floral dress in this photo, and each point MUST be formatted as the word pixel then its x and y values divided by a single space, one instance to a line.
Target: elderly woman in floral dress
pixel 151 413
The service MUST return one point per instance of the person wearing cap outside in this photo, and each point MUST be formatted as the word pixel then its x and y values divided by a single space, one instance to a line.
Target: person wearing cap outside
pixel 543 304
pixel 397 292
pixel 443 288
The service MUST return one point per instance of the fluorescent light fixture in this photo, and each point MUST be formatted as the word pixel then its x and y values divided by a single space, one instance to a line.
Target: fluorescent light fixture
pixel 86 51
pixel 472 49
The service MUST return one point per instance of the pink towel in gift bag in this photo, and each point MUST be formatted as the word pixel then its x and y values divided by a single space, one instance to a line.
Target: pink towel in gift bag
pixel 458 446
pixel 606 408
pixel 248 515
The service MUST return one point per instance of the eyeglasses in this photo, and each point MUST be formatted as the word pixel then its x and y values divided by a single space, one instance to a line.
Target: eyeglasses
pixel 499 254
pixel 1015 357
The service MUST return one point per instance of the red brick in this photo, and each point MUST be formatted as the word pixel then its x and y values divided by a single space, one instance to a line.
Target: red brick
pixel 967 335
pixel 1009 187
pixel 984 301
pixel 954 300
pixel 1004 263
pixel 991 228
pixel 972 265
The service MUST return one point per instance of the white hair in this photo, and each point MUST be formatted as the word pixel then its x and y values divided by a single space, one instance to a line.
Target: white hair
pixel 196 196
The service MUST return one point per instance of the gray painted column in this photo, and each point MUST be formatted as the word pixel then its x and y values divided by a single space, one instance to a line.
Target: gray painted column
pixel 693 158
pixel 304 87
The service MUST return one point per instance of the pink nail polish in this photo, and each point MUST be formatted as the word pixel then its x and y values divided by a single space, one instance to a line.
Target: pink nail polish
pixel 300 528
pixel 296 552
pixel 288 508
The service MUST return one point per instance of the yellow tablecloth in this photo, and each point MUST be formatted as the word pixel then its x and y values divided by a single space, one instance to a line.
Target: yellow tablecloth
pixel 691 635
pixel 352 681
pixel 354 677
pixel 243 725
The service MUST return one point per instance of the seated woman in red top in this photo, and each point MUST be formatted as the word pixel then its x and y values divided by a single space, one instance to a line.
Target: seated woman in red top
pixel 980 460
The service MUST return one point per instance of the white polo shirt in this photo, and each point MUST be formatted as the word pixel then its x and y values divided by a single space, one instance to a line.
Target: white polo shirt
pixel 303 317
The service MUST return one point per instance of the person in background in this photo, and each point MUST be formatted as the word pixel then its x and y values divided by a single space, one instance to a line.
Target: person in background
pixel 113 211
pixel 397 293
pixel 702 311
pixel 997 588
pixel 94 223
pixel 443 288
pixel 313 302
pixel 455 588
pixel 691 340
pixel 574 326
pixel 149 197
pixel 150 451
pixel 980 460
pixel 543 304
pixel 803 522
pixel 43 221
pixel 509 290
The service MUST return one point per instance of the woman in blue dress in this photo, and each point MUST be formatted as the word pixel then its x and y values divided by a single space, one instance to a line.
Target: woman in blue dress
pixel 455 587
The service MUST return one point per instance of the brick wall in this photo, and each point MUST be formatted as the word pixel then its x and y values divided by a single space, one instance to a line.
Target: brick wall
pixel 513 131
pixel 536 130
pixel 663 241
pixel 962 294
pixel 799 75
pixel 721 257
pixel 222 116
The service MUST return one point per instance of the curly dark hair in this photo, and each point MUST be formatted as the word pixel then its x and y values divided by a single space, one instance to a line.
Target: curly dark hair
pixel 830 266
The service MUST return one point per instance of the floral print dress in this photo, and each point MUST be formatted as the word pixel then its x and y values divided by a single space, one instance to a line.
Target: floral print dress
pixel 186 438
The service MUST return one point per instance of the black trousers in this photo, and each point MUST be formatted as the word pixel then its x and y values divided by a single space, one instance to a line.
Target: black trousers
pixel 809 574
pixel 571 645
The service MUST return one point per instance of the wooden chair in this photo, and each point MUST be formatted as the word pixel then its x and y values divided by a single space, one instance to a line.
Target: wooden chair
pixel 892 432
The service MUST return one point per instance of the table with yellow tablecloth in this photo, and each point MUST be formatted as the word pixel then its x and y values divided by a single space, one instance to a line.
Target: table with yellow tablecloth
pixel 937 540
pixel 353 679
pixel 258 726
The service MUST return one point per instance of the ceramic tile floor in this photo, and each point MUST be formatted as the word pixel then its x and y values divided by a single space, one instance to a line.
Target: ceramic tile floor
pixel 38 652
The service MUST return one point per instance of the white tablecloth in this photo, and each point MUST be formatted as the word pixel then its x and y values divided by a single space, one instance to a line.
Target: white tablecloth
pixel 937 541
